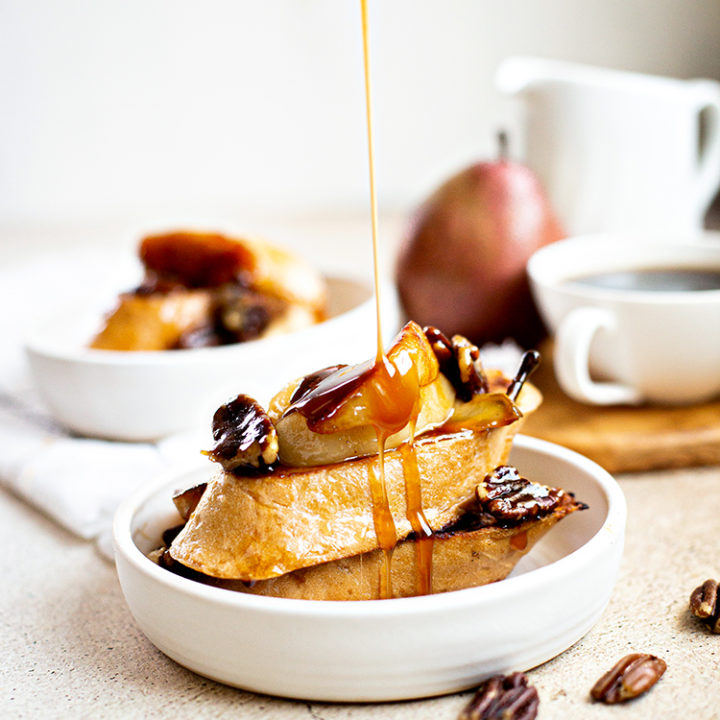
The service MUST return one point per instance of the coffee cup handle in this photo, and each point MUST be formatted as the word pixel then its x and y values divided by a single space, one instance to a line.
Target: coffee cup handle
pixel 708 177
pixel 572 359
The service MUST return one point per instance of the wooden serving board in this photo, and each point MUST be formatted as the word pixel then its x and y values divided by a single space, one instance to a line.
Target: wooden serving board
pixel 623 438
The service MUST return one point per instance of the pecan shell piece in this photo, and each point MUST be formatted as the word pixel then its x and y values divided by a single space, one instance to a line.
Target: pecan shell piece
pixel 630 677
pixel 704 604
pixel 245 437
pixel 503 697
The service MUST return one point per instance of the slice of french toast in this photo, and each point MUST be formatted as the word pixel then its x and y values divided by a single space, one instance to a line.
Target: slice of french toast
pixel 480 547
pixel 253 528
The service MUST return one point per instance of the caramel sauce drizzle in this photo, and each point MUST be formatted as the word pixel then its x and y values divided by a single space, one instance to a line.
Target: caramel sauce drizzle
pixel 371 166
pixel 392 405
pixel 320 396
pixel 391 401
pixel 382 515
pixel 385 530
pixel 519 541
pixel 416 516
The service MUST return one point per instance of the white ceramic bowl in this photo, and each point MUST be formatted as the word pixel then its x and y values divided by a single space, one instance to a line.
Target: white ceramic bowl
pixel 147 395
pixel 384 649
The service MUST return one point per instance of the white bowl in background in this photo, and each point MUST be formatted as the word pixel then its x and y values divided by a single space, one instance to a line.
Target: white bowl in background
pixel 147 395
pixel 384 649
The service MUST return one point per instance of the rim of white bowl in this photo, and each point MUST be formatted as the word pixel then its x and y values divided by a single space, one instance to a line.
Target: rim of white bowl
pixel 707 241
pixel 600 542
pixel 35 343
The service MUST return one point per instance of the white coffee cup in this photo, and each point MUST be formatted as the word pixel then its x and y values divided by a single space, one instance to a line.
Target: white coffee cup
pixel 629 346
pixel 618 151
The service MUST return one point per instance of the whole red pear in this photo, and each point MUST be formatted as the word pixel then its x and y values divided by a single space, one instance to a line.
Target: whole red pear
pixel 462 264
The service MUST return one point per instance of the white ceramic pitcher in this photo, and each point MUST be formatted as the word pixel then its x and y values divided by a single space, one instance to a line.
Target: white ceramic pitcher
pixel 617 150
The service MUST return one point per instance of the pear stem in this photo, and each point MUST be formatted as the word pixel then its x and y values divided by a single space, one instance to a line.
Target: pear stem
pixel 503 145
pixel 528 364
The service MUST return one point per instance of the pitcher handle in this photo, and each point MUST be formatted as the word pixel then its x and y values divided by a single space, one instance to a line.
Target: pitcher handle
pixel 708 178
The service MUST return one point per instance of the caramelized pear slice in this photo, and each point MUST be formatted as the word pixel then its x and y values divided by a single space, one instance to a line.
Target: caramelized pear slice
pixel 341 415
pixel 153 322
pixel 206 260
pixel 504 402
pixel 490 410
pixel 301 447
pixel 411 347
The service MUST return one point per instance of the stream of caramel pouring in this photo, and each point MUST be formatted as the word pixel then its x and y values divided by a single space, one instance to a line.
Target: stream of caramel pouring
pixel 394 385
pixel 382 515
pixel 371 166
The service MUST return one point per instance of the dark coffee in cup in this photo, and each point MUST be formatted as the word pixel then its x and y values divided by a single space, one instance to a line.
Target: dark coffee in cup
pixel 653 280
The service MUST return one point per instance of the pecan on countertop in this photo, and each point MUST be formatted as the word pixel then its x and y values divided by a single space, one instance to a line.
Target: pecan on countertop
pixel 704 604
pixel 630 677
pixel 503 697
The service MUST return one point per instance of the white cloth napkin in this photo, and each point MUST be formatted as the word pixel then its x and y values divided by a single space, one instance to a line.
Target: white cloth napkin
pixel 78 482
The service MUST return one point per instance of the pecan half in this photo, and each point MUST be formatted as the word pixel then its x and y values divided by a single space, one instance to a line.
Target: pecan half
pixel 511 499
pixel 246 437
pixel 704 604
pixel 459 362
pixel 630 677
pixel 503 697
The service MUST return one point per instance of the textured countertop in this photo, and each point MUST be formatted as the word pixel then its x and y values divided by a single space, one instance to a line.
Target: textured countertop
pixel 70 648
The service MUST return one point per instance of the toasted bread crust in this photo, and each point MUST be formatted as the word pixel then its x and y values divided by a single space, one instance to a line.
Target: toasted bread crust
pixel 459 560
pixel 255 528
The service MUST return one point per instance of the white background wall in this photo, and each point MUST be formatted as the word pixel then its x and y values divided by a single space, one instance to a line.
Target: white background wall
pixel 110 106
